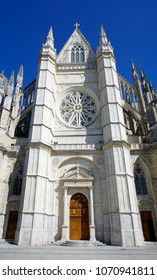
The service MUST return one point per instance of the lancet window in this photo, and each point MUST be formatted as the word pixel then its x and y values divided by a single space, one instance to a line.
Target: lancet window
pixel 77 54
pixel 22 128
pixel 17 182
pixel 140 181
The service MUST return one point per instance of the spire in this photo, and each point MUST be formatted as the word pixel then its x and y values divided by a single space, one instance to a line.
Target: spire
pixel 50 39
pixel 19 79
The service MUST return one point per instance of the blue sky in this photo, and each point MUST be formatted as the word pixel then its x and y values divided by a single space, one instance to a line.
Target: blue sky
pixel 131 27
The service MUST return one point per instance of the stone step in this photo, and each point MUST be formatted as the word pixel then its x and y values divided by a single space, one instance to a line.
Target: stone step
pixel 4 241
pixel 149 243
pixel 78 243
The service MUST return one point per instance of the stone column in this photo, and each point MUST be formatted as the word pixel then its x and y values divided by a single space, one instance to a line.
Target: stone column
pixel 92 224
pixel 65 227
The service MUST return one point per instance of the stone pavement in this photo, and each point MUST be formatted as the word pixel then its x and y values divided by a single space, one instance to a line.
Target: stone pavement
pixel 54 252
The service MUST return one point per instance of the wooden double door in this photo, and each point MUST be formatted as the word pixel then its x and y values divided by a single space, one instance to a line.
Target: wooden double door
pixel 79 218
pixel 147 225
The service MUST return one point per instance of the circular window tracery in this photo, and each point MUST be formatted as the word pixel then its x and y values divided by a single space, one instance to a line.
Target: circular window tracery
pixel 78 109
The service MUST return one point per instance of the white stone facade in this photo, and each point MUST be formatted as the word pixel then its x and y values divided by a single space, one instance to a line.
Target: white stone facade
pixel 90 134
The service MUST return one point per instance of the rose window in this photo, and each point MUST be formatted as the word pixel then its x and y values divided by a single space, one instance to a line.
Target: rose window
pixel 78 109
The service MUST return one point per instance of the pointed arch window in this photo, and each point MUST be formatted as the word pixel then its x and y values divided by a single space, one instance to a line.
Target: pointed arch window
pixel 22 128
pixel 77 54
pixel 140 181
pixel 17 183
pixel 122 91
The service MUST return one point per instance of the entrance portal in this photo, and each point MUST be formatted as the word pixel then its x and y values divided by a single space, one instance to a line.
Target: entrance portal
pixel 79 219
pixel 12 223
pixel 147 225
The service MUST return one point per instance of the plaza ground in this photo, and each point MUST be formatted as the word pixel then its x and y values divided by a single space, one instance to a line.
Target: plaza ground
pixel 54 252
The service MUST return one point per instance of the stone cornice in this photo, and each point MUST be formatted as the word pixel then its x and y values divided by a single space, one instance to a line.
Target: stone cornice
pixel 37 212
pixel 11 151
pixel 74 180
pixel 77 184
pixel 103 53
pixel 37 145
pixel 76 147
pixel 79 66
pixel 144 147
pixel 116 143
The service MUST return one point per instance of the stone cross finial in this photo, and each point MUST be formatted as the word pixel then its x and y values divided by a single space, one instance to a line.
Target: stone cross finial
pixel 76 25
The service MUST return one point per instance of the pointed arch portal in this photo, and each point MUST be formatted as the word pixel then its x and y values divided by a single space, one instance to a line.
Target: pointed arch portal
pixel 79 218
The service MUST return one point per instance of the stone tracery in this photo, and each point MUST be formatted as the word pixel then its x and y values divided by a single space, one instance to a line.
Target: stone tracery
pixel 78 109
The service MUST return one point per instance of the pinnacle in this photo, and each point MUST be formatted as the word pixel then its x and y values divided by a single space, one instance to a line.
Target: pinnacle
pixel 134 71
pixel 152 89
pixel 143 76
pixel 50 33
pixel 11 81
pixel 102 31
pixel 10 86
pixel 103 37
pixel 151 86
pixel 20 76
pixel 133 65
pixel 50 39
pixel 104 43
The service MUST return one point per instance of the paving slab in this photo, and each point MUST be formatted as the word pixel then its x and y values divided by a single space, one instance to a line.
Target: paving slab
pixel 53 252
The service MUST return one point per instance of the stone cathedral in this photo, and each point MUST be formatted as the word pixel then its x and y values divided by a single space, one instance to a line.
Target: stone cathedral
pixel 78 150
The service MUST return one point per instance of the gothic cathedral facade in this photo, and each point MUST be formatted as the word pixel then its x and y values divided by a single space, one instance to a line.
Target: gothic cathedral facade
pixel 78 150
